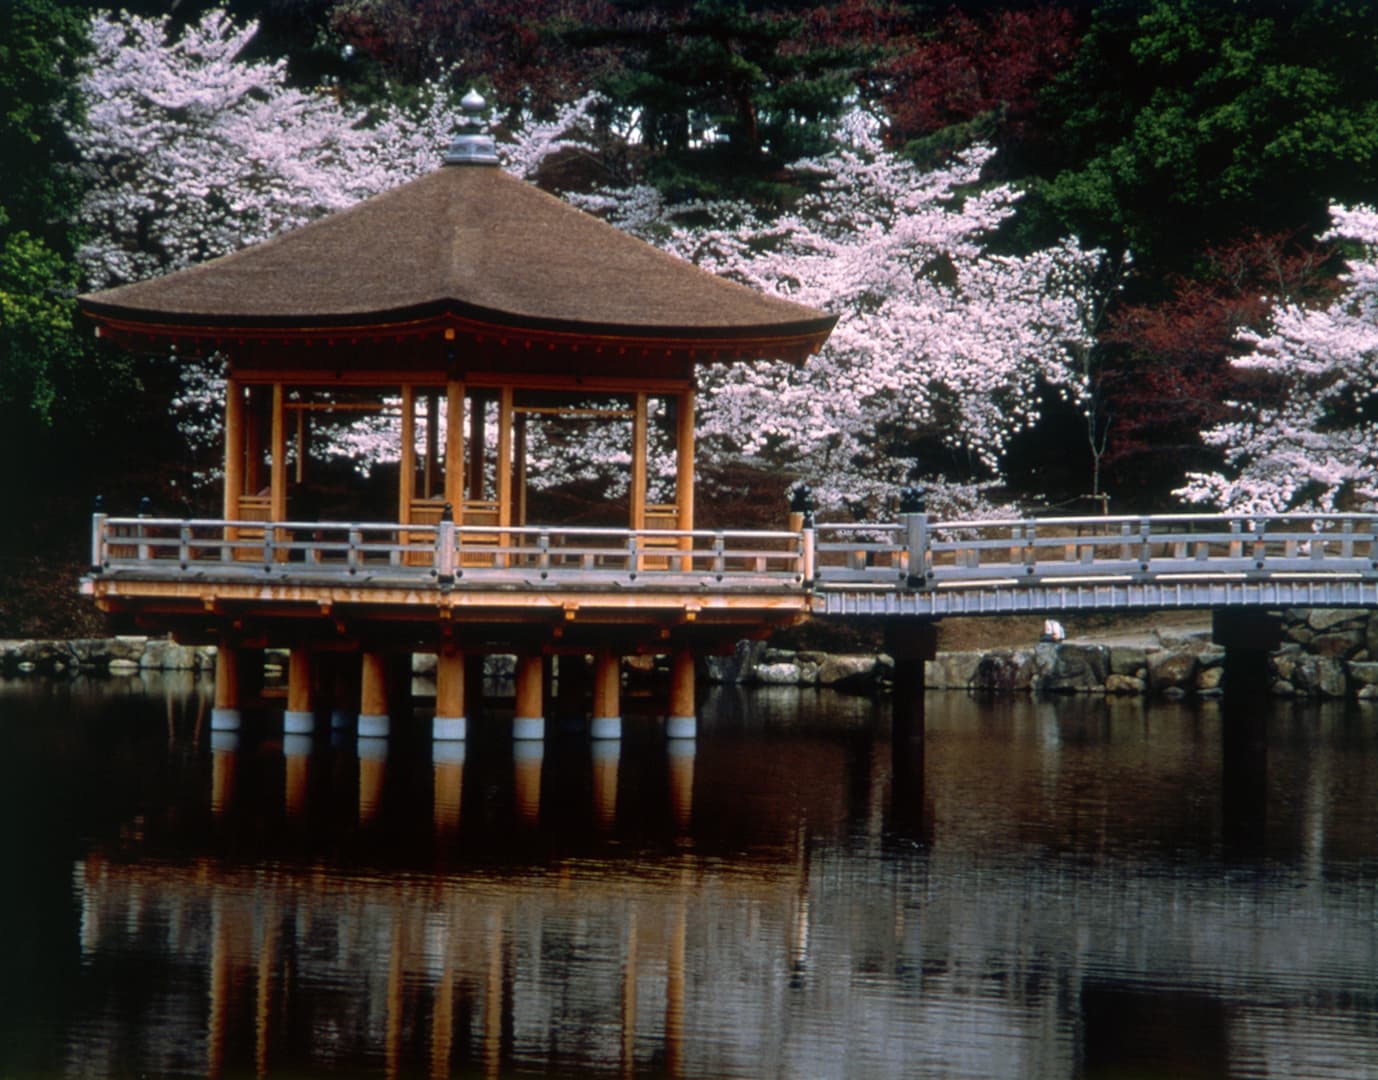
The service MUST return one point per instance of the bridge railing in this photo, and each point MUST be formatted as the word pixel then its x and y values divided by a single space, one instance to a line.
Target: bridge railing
pixel 921 554
pixel 529 554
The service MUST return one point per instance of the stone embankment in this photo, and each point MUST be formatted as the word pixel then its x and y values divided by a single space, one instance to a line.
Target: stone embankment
pixel 1326 653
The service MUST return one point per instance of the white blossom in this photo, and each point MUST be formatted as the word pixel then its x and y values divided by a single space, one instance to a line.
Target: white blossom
pixel 1311 442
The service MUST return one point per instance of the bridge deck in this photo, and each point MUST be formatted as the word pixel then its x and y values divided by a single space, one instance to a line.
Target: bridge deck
pixel 911 568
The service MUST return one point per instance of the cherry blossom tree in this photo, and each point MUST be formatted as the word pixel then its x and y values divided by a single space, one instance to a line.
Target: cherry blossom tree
pixel 940 340
pixel 1310 439
pixel 195 151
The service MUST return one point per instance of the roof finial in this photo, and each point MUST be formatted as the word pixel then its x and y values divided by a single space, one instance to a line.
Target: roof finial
pixel 472 144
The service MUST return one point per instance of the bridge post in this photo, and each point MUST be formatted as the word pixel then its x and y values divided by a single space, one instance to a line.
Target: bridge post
pixel 225 715
pixel 911 644
pixel 450 721
pixel 373 696
pixel 299 718
pixel 606 722
pixel 1248 637
pixel 682 720
pixel 528 723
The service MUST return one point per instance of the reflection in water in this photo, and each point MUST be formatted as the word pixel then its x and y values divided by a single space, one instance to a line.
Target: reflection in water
pixel 815 887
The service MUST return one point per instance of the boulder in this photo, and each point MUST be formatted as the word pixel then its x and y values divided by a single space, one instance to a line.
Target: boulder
pixel 1172 669
pixel 780 674
pixel 1116 683
pixel 1128 660
pixel 1077 669
pixel 951 670
pixel 848 671
pixel 1004 670
pixel 737 667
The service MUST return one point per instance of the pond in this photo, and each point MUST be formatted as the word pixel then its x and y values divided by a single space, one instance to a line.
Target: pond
pixel 813 888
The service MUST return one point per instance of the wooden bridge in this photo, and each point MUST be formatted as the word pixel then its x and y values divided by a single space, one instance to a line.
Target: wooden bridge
pixel 914 567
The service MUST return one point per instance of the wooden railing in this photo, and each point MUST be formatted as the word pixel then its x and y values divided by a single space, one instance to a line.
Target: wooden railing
pixel 917 553
pixel 447 552
pixel 913 553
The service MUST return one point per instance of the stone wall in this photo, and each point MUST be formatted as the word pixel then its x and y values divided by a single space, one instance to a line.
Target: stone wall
pixel 1326 652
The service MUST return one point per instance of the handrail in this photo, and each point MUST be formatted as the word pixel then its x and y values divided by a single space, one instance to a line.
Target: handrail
pixel 908 554
pixel 446 551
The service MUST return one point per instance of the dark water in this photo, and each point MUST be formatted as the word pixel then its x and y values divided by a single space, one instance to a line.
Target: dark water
pixel 1072 889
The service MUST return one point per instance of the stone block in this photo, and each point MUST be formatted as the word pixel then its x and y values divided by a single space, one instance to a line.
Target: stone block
pixel 1210 680
pixel 848 671
pixel 1362 673
pixel 1321 620
pixel 781 674
pixel 1115 683
pixel 1004 670
pixel 1127 659
pixel 951 670
pixel 1342 643
pixel 1171 669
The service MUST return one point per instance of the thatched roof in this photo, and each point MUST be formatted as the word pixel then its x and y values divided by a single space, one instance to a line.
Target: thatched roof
pixel 469 242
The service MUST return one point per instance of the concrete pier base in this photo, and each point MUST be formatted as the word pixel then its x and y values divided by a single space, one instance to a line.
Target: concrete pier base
pixel 223 719
pixel 450 728
pixel 605 727
pixel 528 728
pixel 374 725
pixel 298 722
pixel 681 727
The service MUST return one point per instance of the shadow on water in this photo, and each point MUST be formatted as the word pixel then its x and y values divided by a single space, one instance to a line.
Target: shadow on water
pixel 817 885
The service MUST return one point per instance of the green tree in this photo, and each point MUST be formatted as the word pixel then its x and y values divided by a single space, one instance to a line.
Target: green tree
pixel 723 93
pixel 1186 122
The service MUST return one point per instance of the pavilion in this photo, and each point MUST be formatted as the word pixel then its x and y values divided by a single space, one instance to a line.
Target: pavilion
pixel 472 304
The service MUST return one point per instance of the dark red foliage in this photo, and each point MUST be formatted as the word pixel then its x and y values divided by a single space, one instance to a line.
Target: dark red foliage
pixel 990 65
pixel 1165 373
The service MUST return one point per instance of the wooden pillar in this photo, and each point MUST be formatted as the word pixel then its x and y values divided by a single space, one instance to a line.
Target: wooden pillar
pixel 300 717
pixel 278 489
pixel 637 492
pixel 478 442
pixel 519 496
pixel 607 695
pixel 432 463
pixel 225 714
pixel 234 447
pixel 450 722
pixel 682 720
pixel 684 459
pixel 504 467
pixel 373 695
pixel 406 469
pixel 454 448
pixel 253 441
pixel 528 723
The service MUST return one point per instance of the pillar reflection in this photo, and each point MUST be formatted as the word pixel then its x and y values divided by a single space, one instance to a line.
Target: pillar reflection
pixel 606 756
pixel 373 758
pixel 680 755
pixel 527 758
pixel 447 767
pixel 224 763
pixel 296 753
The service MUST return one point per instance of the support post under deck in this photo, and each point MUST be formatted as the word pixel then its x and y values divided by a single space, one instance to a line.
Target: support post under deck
pixel 606 722
pixel 225 714
pixel 373 696
pixel 682 721
pixel 299 717
pixel 450 722
pixel 528 723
